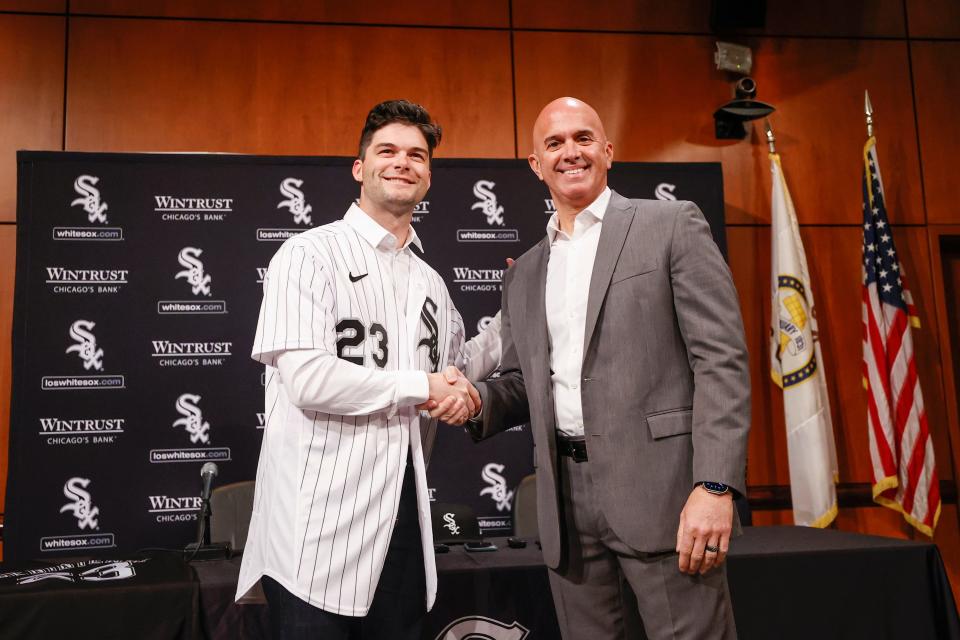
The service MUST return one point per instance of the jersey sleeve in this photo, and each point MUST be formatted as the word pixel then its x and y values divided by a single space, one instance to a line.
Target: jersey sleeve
pixel 298 302
pixel 479 356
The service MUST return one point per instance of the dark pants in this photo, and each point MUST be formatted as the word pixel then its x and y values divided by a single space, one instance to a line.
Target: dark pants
pixel 399 603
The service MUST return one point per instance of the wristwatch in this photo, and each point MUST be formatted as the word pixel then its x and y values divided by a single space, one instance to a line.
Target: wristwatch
pixel 716 488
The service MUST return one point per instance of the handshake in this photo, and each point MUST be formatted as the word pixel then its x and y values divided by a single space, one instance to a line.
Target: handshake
pixel 452 398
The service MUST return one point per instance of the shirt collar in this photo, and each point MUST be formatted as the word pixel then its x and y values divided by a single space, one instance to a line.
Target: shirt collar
pixel 597 209
pixel 371 231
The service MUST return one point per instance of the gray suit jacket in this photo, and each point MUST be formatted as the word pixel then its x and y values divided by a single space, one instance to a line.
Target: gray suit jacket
pixel 665 382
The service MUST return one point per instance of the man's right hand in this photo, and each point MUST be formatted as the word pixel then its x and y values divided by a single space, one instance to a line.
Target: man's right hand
pixel 452 398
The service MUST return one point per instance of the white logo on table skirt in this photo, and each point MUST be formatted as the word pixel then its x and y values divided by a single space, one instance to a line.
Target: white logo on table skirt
pixel 497 489
pixel 193 271
pixel 81 503
pixel 482 628
pixel 296 201
pixel 90 198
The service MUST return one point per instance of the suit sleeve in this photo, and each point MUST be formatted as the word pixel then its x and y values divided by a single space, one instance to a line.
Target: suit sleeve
pixel 708 313
pixel 504 398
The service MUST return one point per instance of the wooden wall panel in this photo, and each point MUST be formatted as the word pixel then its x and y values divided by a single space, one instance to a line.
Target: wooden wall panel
pixel 657 95
pixel 31 98
pixel 936 69
pixel 152 85
pixel 491 13
pixel 933 18
pixel 8 250
pixel 784 17
pixel 38 6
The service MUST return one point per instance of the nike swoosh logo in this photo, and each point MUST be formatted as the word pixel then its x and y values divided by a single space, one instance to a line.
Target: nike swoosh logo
pixel 358 278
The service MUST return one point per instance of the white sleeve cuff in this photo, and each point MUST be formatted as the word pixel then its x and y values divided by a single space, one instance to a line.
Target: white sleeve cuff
pixel 412 388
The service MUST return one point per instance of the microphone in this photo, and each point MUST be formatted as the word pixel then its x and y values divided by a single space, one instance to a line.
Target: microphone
pixel 207 473
pixel 202 549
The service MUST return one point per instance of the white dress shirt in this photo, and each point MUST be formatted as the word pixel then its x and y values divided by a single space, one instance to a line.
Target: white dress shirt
pixel 568 285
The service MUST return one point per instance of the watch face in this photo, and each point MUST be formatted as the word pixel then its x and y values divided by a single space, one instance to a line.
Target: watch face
pixel 716 487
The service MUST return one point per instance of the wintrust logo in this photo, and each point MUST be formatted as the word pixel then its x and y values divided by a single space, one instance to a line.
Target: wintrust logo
pixel 174 509
pixel 421 209
pixel 191 209
pixel 192 421
pixel 90 198
pixel 261 274
pixel 549 207
pixel 95 208
pixel 66 280
pixel 80 506
pixel 167 353
pixel 261 420
pixel 91 356
pixel 471 280
pixel 496 486
pixel 664 191
pixel 493 211
pixel 65 431
pixel 296 201
pixel 195 275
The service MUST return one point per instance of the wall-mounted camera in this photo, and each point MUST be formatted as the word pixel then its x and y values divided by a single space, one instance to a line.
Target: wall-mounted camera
pixel 729 118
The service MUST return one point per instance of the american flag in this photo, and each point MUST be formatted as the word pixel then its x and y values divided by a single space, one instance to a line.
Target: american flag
pixel 904 470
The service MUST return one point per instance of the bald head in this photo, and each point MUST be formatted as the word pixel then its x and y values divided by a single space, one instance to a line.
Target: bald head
pixel 564 108
pixel 571 154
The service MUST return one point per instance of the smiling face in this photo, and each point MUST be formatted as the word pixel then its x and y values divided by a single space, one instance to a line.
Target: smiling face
pixel 395 170
pixel 571 153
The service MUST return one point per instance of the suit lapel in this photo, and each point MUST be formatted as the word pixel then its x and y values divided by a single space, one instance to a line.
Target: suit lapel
pixel 613 233
pixel 537 321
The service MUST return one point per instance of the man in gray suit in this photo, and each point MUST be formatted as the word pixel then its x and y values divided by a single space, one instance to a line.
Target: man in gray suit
pixel 623 346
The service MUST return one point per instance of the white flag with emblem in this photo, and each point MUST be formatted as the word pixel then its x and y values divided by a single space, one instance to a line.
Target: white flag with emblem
pixel 796 366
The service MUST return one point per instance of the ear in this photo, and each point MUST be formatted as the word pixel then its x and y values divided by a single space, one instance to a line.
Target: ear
pixel 358 170
pixel 608 150
pixel 535 165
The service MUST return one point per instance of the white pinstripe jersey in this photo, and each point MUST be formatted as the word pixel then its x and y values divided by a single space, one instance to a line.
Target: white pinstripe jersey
pixel 328 480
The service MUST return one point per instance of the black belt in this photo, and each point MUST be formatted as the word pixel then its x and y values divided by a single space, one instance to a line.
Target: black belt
pixel 575 448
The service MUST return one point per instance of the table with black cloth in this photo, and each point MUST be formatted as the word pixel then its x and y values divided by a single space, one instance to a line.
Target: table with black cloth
pixel 786 582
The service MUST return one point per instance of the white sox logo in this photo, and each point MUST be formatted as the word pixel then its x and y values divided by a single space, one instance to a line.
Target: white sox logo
pixel 120 570
pixel 296 201
pixel 193 271
pixel 89 198
pixel 664 191
pixel 487 202
pixel 428 314
pixel 192 419
pixel 497 490
pixel 482 628
pixel 86 346
pixel 451 524
pixel 80 503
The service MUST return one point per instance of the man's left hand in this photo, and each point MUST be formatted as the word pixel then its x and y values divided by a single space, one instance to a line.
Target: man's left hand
pixel 706 521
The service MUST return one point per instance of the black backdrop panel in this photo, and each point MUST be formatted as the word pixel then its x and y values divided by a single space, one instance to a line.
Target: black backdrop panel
pixel 138 286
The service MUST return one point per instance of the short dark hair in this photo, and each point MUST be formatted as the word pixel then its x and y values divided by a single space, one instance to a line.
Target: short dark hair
pixel 404 112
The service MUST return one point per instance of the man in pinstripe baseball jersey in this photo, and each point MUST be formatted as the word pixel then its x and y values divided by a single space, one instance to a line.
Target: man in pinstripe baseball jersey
pixel 356 332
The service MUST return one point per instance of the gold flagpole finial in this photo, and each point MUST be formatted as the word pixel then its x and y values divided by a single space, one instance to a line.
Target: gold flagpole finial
pixel 771 141
pixel 868 111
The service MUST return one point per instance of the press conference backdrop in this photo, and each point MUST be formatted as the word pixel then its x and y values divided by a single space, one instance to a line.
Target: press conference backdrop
pixel 139 279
